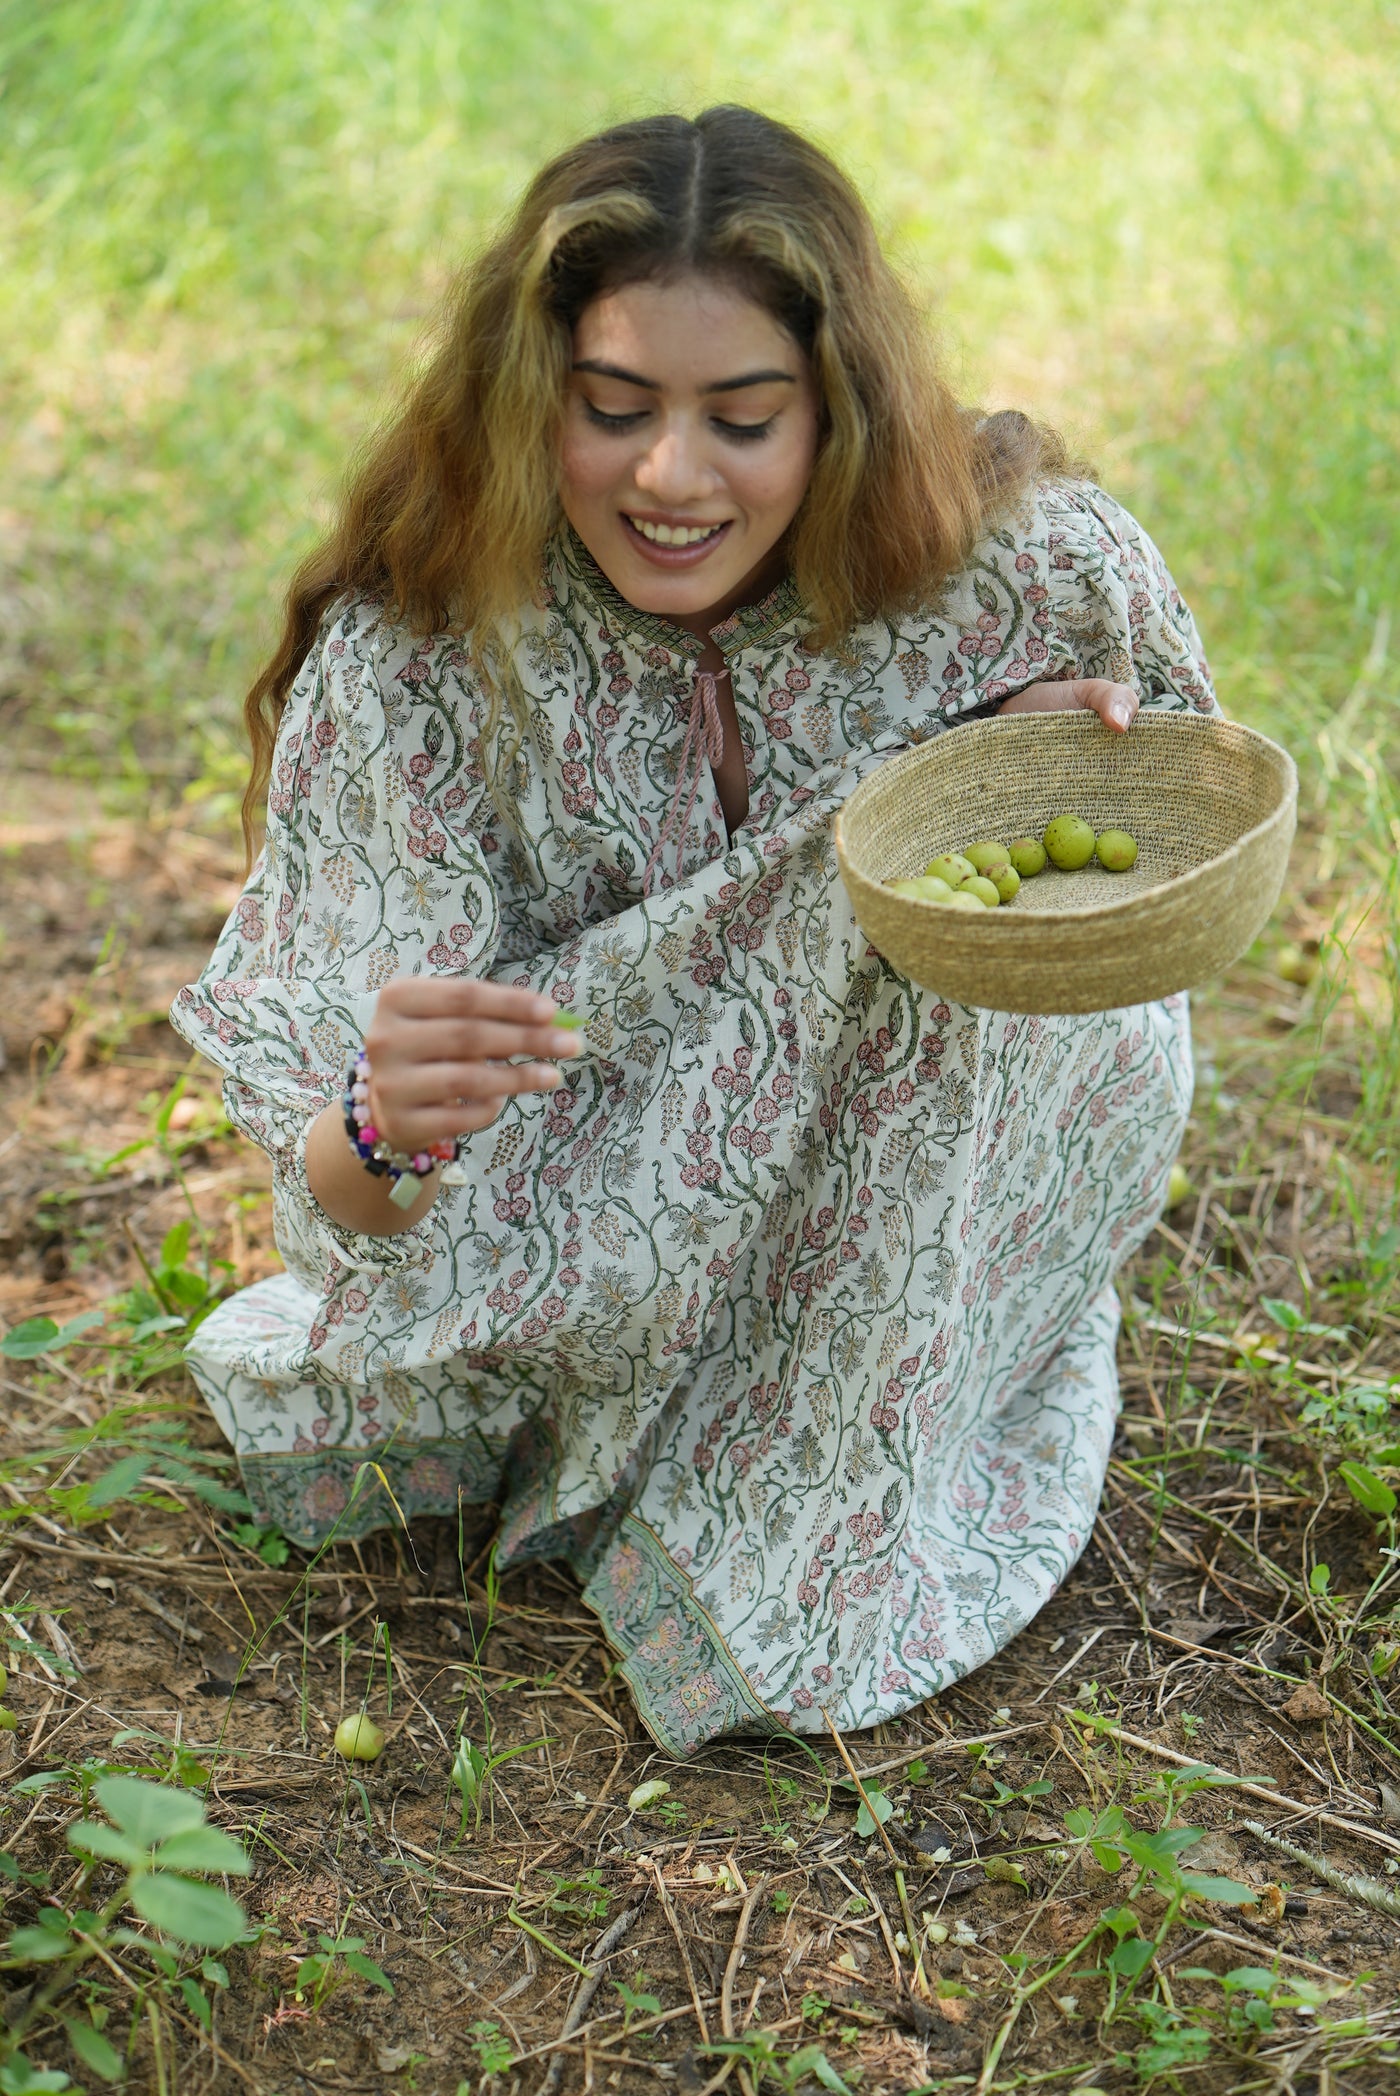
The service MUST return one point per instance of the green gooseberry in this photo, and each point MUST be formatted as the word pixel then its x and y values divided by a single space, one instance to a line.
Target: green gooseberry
pixel 1116 850
pixel 1069 841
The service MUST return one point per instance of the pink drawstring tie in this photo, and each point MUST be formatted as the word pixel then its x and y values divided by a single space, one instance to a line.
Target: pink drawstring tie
pixel 704 743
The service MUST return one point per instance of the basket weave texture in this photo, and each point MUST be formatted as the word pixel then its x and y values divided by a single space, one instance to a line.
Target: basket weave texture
pixel 1212 805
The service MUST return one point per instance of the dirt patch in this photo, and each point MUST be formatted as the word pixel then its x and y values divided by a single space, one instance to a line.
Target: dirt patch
pixel 898 1957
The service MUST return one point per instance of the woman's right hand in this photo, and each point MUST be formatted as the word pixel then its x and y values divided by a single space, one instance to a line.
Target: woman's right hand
pixel 437 1048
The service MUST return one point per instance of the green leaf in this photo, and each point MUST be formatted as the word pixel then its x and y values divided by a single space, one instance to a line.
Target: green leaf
pixel 812 2060
pixel 40 1335
pixel 1226 1891
pixel 875 1808
pixel 197 2001
pixel 119 1482
pixel 25 1342
pixel 190 1912
pixel 148 1812
pixel 1187 2047
pixel 93 2049
pixel 1131 1957
pixel 92 1837
pixel 40 1946
pixel 1000 1870
pixel 1319 1579
pixel 203 1848
pixel 17 2077
pixel 176 1242
pixel 1373 1492
pixel 368 1970
pixel 1253 1978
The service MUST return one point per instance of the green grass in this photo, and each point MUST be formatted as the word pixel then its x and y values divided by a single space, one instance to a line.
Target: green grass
pixel 1167 225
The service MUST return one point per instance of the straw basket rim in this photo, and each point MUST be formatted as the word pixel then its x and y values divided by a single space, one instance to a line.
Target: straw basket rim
pixel 1082 722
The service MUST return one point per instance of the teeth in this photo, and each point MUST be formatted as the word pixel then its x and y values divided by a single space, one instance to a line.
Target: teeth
pixel 674 534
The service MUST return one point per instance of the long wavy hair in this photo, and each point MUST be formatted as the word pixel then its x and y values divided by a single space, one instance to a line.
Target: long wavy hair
pixel 450 506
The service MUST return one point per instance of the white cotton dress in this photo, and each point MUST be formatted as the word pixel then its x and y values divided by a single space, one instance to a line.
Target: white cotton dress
pixel 788 1319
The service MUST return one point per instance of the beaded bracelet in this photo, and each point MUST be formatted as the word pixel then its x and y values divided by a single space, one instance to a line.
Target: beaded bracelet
pixel 406 1169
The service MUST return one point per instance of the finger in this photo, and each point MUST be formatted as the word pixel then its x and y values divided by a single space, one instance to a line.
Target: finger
pixel 412 1127
pixel 406 1040
pixel 465 997
pixel 1116 705
pixel 439 1084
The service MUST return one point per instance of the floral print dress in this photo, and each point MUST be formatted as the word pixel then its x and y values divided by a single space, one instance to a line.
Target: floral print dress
pixel 788 1319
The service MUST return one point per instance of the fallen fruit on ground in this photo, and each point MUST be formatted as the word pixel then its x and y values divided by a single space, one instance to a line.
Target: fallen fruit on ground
pixel 358 1738
pixel 1069 843
pixel 1027 856
pixel 1116 850
pixel 1294 964
pixel 1179 1186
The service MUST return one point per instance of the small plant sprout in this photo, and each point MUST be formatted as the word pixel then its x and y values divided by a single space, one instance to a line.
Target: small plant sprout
pixel 472 1771
pixel 336 1961
pixel 760 2052
pixel 494 2052
pixel 635 2000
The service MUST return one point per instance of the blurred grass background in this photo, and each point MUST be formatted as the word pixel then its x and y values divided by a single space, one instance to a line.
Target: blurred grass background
pixel 1166 224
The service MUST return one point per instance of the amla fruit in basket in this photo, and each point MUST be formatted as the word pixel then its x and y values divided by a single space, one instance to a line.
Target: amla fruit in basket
pixel 1027 856
pixel 923 887
pixel 986 855
pixel 1069 841
pixel 1116 850
pixel 951 867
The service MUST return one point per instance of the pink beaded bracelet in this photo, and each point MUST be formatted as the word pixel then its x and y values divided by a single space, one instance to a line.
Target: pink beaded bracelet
pixel 406 1169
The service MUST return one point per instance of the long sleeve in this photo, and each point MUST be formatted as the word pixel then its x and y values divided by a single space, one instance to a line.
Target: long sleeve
pixel 371 869
pixel 1114 610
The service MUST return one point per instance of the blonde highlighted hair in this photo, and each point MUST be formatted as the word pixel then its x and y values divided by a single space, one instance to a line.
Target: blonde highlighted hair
pixel 447 514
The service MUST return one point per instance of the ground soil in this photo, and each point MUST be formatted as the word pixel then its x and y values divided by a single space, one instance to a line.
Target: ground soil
pixel 746 1905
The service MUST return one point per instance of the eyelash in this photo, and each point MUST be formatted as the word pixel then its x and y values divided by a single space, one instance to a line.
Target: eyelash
pixel 742 432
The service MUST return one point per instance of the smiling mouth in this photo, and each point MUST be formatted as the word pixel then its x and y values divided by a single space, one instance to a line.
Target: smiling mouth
pixel 674 534
pixel 673 545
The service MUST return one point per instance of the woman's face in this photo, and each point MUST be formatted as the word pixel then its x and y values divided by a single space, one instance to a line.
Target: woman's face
pixel 689 438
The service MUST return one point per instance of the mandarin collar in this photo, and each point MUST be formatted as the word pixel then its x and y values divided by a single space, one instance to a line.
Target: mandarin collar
pixel 752 625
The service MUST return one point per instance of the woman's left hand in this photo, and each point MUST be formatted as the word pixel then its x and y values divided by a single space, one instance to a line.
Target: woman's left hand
pixel 1115 704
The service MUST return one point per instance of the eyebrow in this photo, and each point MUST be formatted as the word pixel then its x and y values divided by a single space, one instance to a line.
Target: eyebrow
pixel 721 385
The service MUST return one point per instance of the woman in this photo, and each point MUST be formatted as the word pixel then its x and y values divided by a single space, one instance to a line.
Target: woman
pixel 783 1310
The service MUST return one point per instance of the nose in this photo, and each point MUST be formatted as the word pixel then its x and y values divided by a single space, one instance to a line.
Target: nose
pixel 673 470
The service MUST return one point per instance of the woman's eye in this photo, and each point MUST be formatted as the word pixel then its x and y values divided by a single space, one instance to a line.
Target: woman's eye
pixel 746 432
pixel 601 420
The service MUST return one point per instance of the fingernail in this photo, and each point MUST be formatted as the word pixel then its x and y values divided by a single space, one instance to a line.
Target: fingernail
pixel 1120 711
pixel 566 1043
pixel 549 1077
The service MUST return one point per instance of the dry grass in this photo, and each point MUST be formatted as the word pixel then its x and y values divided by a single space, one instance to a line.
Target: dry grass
pixel 940 1952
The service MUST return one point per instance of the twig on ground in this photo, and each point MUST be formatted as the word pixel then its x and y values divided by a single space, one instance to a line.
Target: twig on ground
pixel 673 1918
pixel 602 1950
pixel 885 1841
pixel 1369 1891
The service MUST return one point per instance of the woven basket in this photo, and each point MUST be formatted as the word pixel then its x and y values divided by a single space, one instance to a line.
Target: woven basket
pixel 1211 804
